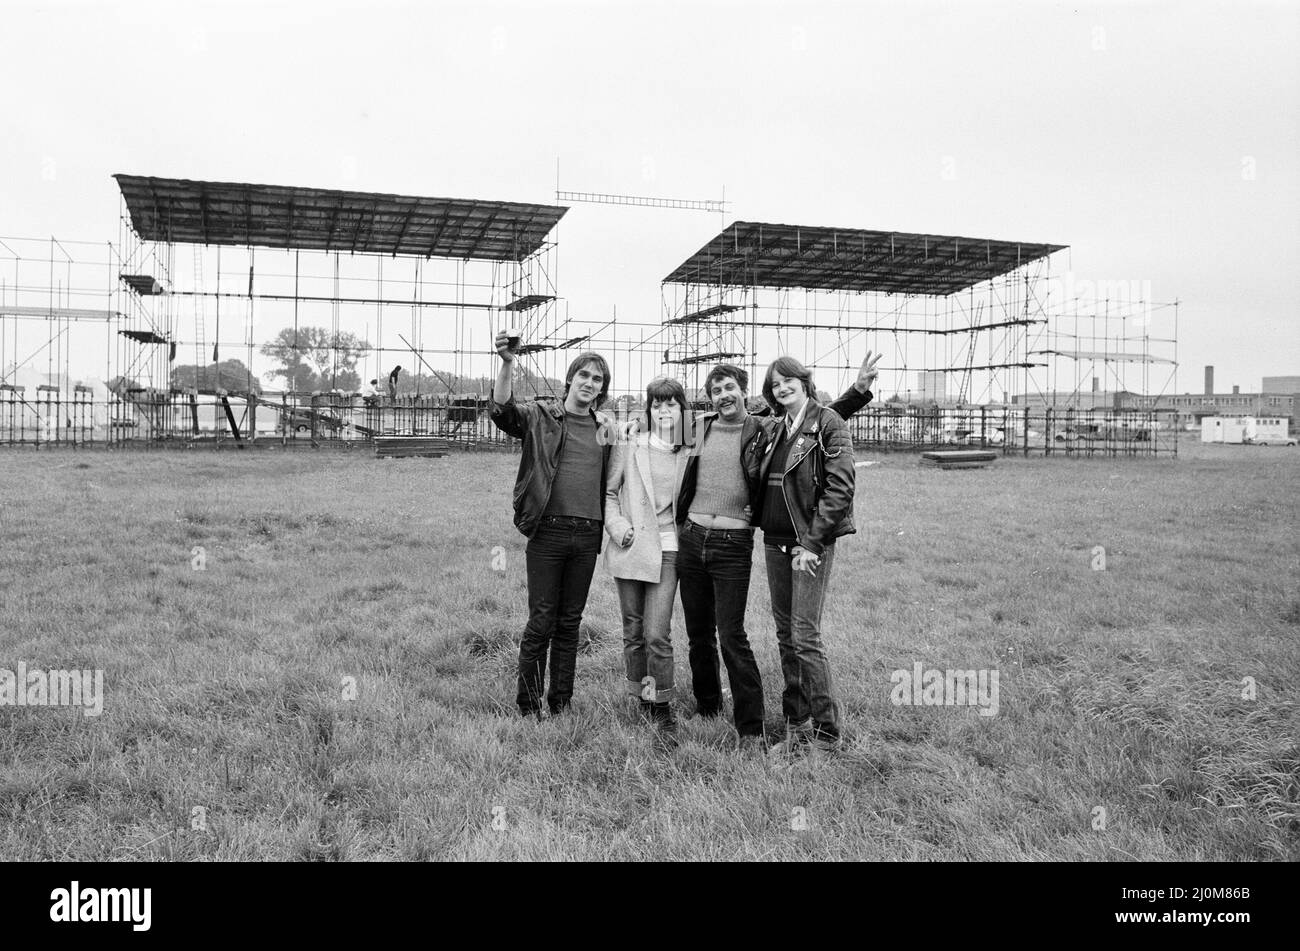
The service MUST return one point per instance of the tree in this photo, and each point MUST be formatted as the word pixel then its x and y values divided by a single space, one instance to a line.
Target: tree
pixel 121 385
pixel 226 375
pixel 314 358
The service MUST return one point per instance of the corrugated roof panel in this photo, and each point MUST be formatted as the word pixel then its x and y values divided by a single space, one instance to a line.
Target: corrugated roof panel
pixel 190 212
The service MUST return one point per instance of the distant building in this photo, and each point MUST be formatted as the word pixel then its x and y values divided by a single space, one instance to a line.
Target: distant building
pixel 1289 385
pixel 1076 400
pixel 1191 408
pixel 1279 397
pixel 931 387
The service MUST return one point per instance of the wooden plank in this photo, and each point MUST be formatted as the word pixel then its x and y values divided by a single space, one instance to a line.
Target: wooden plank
pixel 397 447
pixel 960 455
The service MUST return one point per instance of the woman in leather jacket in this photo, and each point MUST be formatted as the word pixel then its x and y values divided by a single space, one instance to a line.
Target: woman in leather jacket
pixel 806 504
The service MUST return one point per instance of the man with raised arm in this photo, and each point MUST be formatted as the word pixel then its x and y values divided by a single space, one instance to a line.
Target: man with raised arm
pixel 559 502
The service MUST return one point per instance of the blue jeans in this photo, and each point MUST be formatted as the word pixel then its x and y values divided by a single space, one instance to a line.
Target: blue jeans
pixel 797 600
pixel 647 630
pixel 713 568
pixel 561 558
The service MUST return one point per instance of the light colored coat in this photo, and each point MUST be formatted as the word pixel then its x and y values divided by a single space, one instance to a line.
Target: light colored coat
pixel 629 503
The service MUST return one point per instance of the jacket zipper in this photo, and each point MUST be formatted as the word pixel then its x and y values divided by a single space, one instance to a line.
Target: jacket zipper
pixel 786 498
pixel 564 433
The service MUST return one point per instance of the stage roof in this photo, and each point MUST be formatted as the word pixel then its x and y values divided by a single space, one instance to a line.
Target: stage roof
pixel 318 219
pixel 848 259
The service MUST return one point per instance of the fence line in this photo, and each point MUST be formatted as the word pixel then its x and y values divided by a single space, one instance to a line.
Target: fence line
pixel 152 419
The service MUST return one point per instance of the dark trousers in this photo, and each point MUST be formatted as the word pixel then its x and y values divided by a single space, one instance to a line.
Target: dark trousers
pixel 797 599
pixel 561 559
pixel 713 568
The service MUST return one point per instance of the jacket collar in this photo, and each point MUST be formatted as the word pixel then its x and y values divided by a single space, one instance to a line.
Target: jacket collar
pixel 811 422
pixel 806 437
pixel 556 409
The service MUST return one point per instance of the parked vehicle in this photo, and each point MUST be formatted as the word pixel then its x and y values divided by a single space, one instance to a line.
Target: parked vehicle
pixel 1270 441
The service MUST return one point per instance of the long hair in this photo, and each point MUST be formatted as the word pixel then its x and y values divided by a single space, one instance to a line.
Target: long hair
pixel 664 388
pixel 788 367
pixel 580 361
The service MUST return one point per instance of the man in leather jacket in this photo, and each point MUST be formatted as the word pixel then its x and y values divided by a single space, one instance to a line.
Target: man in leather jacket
pixel 559 503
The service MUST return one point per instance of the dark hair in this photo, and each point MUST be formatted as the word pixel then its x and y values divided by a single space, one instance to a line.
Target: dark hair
pixel 721 372
pixel 580 361
pixel 788 367
pixel 664 388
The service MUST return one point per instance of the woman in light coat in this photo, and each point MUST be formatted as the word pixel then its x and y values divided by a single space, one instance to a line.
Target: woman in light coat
pixel 645 475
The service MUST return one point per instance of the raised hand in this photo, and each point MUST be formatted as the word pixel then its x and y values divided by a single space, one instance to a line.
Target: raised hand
pixel 867 374
pixel 502 343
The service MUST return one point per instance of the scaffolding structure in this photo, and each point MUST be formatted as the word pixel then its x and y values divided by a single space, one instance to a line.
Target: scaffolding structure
pixel 974 346
pixel 213 287
pixel 57 305
pixel 239 314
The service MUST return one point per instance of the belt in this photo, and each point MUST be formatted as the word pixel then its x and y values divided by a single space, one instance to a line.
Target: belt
pixel 738 533
pixel 571 520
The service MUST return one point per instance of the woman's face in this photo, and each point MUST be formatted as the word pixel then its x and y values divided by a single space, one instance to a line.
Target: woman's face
pixel 667 418
pixel 788 390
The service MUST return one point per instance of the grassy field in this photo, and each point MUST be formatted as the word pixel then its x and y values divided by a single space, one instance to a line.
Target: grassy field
pixel 229 729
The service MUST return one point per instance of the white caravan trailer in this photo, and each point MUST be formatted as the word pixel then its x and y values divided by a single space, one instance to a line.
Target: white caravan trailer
pixel 1250 430
pixel 1229 429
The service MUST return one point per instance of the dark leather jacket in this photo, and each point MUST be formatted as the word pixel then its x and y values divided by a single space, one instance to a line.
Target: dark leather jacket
pixel 819 476
pixel 753 445
pixel 541 426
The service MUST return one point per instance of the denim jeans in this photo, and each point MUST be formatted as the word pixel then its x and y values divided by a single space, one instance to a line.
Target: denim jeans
pixel 797 600
pixel 647 631
pixel 561 558
pixel 713 569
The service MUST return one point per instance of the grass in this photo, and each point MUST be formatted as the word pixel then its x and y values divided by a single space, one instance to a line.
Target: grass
pixel 225 702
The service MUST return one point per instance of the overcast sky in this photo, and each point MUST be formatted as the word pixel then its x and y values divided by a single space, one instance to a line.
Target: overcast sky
pixel 1159 141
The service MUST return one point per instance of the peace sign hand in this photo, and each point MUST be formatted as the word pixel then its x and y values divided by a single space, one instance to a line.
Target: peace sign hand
pixel 867 375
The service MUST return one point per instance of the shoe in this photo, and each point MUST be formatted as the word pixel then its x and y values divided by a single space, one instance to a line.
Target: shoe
pixel 825 745
pixel 530 713
pixel 752 746
pixel 661 715
pixel 664 724
pixel 793 745
pixel 708 712
pixel 788 750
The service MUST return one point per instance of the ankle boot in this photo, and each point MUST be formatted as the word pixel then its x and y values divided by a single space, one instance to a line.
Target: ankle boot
pixel 661 715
